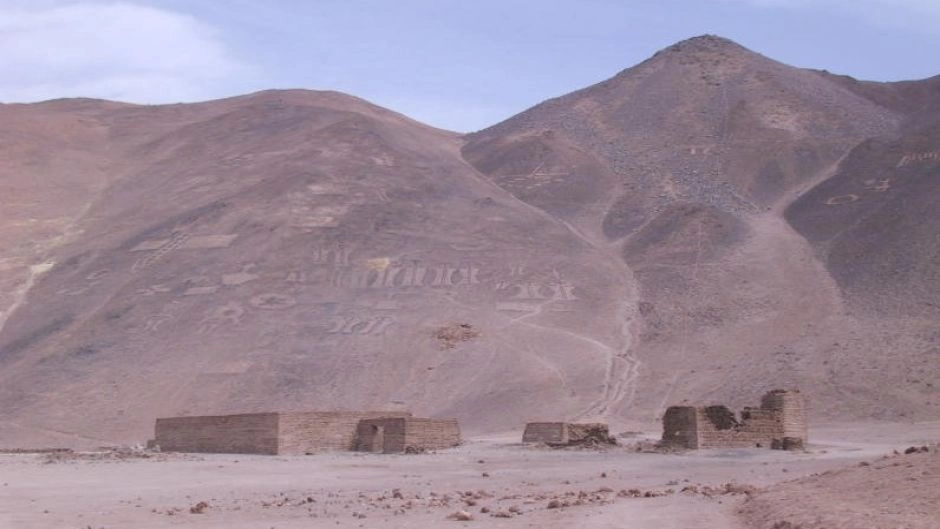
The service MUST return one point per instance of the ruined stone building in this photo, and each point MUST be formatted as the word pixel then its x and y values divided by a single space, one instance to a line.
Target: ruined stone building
pixel 779 422
pixel 566 434
pixel 406 434
pixel 297 432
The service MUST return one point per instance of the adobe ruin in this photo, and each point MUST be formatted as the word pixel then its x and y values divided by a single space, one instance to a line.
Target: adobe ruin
pixel 779 422
pixel 274 433
pixel 389 435
pixel 559 434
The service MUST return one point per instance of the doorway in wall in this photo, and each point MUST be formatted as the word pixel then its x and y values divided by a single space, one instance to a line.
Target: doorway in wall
pixel 378 439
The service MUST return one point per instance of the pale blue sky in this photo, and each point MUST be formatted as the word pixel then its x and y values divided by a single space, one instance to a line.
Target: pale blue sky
pixel 460 65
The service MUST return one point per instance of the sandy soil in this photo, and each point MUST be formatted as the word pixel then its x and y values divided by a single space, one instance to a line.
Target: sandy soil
pixel 892 492
pixel 488 478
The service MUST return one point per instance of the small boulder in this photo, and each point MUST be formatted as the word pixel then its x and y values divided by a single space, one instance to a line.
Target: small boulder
pixel 461 516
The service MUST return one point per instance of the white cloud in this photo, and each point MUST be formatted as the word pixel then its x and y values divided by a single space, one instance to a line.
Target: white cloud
pixel 115 51
pixel 922 15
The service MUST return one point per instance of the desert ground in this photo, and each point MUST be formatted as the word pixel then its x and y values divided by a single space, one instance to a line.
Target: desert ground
pixel 497 480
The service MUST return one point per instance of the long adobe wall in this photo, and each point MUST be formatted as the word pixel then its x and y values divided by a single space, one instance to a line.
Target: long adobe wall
pixel 431 434
pixel 310 432
pixel 247 433
pixel 305 432
pixel 396 435
pixel 264 433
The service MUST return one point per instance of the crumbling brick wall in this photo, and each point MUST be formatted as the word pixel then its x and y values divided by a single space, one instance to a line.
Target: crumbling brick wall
pixel 780 422
pixel 792 410
pixel 552 433
pixel 680 426
pixel 590 433
pixel 405 434
pixel 566 434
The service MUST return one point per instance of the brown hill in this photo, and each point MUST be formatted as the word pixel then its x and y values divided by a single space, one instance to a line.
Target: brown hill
pixel 599 256
pixel 684 166
pixel 874 225
pixel 289 250
pixel 918 101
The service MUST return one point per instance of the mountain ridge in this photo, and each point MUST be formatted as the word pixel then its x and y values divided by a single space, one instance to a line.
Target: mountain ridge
pixel 640 242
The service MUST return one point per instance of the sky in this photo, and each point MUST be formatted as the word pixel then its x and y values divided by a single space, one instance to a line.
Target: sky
pixel 460 65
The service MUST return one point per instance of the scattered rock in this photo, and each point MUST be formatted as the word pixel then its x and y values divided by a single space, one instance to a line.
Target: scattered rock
pixel 450 335
pixel 737 488
pixel 461 516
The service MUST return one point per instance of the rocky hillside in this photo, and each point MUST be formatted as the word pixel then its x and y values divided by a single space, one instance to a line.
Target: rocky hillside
pixel 759 207
pixel 704 226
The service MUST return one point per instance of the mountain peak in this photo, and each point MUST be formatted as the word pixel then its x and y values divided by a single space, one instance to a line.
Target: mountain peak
pixel 707 43
pixel 704 50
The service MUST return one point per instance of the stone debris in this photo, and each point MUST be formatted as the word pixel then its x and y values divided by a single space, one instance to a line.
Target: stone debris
pixel 563 434
pixel 453 334
pixel 461 516
pixel 109 453
pixel 459 505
